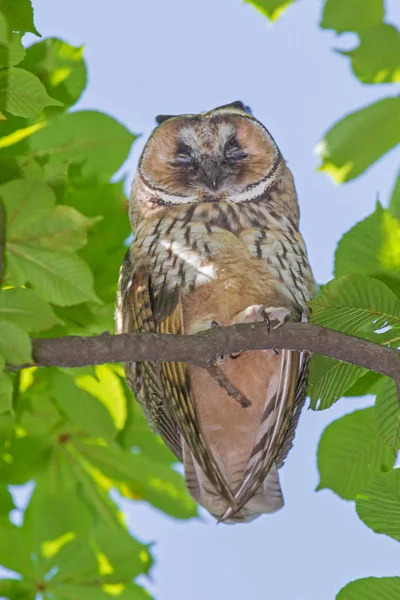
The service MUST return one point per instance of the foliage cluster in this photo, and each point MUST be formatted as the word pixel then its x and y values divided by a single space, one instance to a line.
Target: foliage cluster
pixel 77 433
pixel 356 454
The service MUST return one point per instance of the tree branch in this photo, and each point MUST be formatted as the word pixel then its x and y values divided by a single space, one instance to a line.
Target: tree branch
pixel 202 348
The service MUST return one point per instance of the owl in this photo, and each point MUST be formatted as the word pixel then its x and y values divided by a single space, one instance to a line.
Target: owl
pixel 216 242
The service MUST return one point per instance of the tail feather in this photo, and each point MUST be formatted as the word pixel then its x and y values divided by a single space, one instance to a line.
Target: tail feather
pixel 276 418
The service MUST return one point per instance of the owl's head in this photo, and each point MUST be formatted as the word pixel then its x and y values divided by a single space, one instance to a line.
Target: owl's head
pixel 221 154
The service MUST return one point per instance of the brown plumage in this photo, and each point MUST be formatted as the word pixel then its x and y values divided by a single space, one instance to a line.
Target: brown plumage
pixel 215 218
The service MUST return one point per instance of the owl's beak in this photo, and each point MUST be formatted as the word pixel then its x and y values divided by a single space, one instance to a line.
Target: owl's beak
pixel 212 172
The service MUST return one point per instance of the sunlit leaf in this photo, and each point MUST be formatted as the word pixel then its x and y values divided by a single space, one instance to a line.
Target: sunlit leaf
pixel 379 504
pixel 13 52
pixel 25 201
pixel 387 414
pixel 360 139
pixel 93 140
pixel 146 479
pixel 123 557
pixel 129 591
pixel 272 9
pixel 371 588
pixel 25 308
pixel 54 519
pixel 19 15
pixel 22 94
pixel 107 388
pixel 352 15
pixel 63 229
pixel 350 453
pixel 59 277
pixel 60 67
pixel 377 58
pixel 371 246
pixel 356 305
pixel 15 344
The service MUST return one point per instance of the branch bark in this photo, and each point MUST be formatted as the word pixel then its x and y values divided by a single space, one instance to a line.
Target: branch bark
pixel 200 349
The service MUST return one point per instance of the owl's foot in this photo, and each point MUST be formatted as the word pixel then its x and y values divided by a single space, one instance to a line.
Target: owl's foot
pixel 219 376
pixel 271 315
pixel 279 316
pixel 217 373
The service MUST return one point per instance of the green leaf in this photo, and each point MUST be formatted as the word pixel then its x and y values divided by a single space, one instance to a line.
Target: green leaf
pixel 25 201
pixel 15 344
pixel 81 408
pixel 387 414
pixel 19 15
pixel 137 435
pixel 54 519
pixel 371 588
pixel 93 140
pixel 377 58
pixel 63 229
pixel 22 94
pixel 272 9
pixel 6 502
pixel 60 67
pixel 107 388
pixel 379 504
pixel 62 278
pixel 4 31
pixel 371 246
pixel 330 379
pixel 5 394
pixel 129 591
pixel 14 552
pixel 395 198
pixel 125 557
pixel 40 415
pixel 360 139
pixel 356 305
pixel 12 52
pixel 26 309
pixel 106 249
pixel 156 483
pixel 15 589
pixel 350 453
pixel 352 15
pixel 29 456
pixel 370 383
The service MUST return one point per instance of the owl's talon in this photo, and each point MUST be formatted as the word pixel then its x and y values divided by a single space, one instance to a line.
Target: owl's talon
pixel 279 315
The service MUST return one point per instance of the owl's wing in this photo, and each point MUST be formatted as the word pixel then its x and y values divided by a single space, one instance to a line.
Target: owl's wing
pixel 163 390
pixel 134 314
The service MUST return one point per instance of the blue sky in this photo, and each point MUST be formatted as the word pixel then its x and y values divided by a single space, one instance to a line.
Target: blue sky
pixel 147 58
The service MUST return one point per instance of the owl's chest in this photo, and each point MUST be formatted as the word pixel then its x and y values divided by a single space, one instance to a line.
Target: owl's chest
pixel 216 270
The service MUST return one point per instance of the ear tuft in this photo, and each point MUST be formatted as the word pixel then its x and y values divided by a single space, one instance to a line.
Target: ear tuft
pixel 161 118
pixel 237 104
